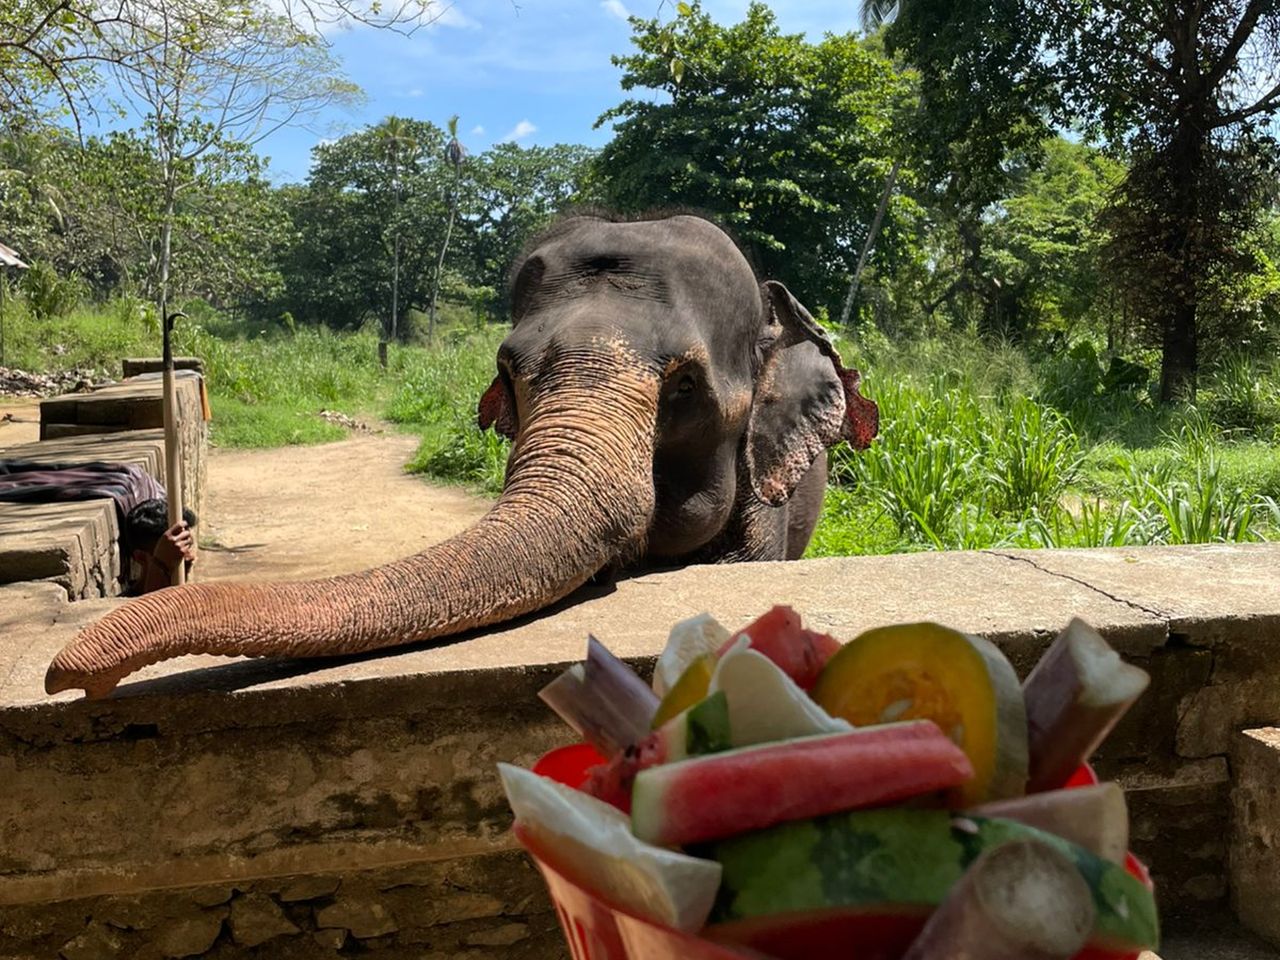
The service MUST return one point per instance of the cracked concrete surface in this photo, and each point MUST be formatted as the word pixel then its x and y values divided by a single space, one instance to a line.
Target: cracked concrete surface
pixel 1032 561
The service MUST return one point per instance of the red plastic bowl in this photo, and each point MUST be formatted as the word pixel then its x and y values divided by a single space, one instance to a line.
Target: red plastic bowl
pixel 597 931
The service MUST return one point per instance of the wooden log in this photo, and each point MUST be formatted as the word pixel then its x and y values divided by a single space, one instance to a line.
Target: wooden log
pixel 172 447
pixel 1021 901
pixel 1075 696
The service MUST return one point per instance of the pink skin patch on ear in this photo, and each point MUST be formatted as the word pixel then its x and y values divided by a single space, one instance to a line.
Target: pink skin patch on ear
pixel 495 410
pixel 862 416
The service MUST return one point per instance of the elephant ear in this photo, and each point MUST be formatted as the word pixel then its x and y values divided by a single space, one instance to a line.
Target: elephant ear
pixel 805 399
pixel 497 409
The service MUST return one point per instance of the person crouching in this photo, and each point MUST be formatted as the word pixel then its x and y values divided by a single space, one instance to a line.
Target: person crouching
pixel 155 548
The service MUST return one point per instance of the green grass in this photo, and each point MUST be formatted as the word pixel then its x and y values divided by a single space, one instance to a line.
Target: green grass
pixel 980 446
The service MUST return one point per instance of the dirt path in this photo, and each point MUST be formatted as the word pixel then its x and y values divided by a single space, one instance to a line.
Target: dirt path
pixel 298 512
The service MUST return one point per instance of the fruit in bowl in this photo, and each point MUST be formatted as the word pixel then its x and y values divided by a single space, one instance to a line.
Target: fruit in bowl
pixel 784 795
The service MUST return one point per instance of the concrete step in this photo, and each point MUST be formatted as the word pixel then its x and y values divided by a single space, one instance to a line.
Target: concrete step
pixel 1214 937
pixel 74 545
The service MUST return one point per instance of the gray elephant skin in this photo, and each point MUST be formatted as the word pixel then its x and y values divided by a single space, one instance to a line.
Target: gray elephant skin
pixel 665 407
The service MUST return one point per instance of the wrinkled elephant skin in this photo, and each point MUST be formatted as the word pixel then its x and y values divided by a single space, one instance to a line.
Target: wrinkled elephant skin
pixel 665 407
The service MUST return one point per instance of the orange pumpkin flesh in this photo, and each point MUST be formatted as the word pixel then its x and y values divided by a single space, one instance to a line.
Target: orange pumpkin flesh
pixel 962 683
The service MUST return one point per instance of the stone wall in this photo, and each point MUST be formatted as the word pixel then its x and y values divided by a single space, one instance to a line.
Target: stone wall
pixel 73 545
pixel 137 405
pixel 205 784
pixel 490 906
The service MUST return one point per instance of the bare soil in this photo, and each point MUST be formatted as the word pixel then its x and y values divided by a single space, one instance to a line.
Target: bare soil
pixel 293 513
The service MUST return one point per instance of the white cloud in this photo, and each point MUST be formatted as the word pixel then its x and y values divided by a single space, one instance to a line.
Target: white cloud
pixel 477 131
pixel 616 7
pixel 521 130
pixel 415 92
pixel 451 16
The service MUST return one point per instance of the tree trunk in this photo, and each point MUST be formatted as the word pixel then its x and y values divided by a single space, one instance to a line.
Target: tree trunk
pixel 1179 360
pixel 1180 356
pixel 395 288
pixel 435 287
pixel 871 239
pixel 579 495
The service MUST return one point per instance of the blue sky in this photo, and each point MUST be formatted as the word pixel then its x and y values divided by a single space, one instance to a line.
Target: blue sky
pixel 536 71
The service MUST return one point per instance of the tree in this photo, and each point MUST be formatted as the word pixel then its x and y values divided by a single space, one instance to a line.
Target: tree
pixel 1186 90
pixel 218 78
pixel 62 46
pixel 400 147
pixel 453 154
pixel 338 270
pixel 514 192
pixel 788 143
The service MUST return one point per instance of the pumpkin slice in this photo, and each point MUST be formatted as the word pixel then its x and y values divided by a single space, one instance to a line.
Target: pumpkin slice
pixel 923 671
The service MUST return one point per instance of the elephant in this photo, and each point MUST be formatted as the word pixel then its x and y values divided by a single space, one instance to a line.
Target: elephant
pixel 665 407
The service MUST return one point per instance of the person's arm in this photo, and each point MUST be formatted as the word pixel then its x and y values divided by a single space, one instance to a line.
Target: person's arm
pixel 177 545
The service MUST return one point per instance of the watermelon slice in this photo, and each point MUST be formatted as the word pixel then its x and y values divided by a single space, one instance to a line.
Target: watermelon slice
pixel 589 843
pixel 779 635
pixel 803 889
pixel 706 798
pixel 703 728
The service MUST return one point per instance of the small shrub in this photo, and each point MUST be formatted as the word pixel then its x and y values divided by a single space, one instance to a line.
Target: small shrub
pixel 1036 455
pixel 1243 395
pixel 49 295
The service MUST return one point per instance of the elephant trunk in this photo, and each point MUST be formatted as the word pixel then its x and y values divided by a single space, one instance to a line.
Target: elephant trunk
pixel 579 492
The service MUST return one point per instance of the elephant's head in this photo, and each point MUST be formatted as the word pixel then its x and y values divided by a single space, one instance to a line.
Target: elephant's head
pixel 647 379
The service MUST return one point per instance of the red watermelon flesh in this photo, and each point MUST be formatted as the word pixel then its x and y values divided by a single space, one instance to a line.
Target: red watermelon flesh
pixel 880 933
pixel 725 794
pixel 779 635
pixel 612 781
pixel 850 933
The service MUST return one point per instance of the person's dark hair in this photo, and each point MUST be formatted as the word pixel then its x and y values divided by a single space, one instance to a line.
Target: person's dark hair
pixel 147 522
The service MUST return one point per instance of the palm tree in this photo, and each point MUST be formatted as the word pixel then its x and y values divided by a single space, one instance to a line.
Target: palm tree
pixel 873 14
pixel 454 153
pixel 401 148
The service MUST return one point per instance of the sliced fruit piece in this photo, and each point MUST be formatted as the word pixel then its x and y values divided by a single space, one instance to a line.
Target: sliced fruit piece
pixel 1024 900
pixel 603 699
pixel 693 686
pixel 780 636
pixel 755 787
pixel 590 843
pixel 853 878
pixel 703 728
pixel 1075 695
pixel 764 703
pixel 962 683
pixel 688 640
pixel 1096 818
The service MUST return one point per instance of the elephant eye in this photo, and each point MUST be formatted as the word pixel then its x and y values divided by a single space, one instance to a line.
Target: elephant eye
pixel 685 386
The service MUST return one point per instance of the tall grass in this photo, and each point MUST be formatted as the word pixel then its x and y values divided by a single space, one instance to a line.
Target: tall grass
pixel 979 446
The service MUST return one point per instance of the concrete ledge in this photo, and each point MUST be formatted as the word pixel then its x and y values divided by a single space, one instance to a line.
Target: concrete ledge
pixel 75 545
pixel 1255 837
pixel 204 773
pixel 137 405
pixel 135 366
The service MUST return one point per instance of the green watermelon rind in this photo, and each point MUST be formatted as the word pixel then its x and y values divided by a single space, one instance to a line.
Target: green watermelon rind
pixel 700 730
pixel 877 858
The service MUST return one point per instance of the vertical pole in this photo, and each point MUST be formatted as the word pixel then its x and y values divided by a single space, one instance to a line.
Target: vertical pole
pixel 172 457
